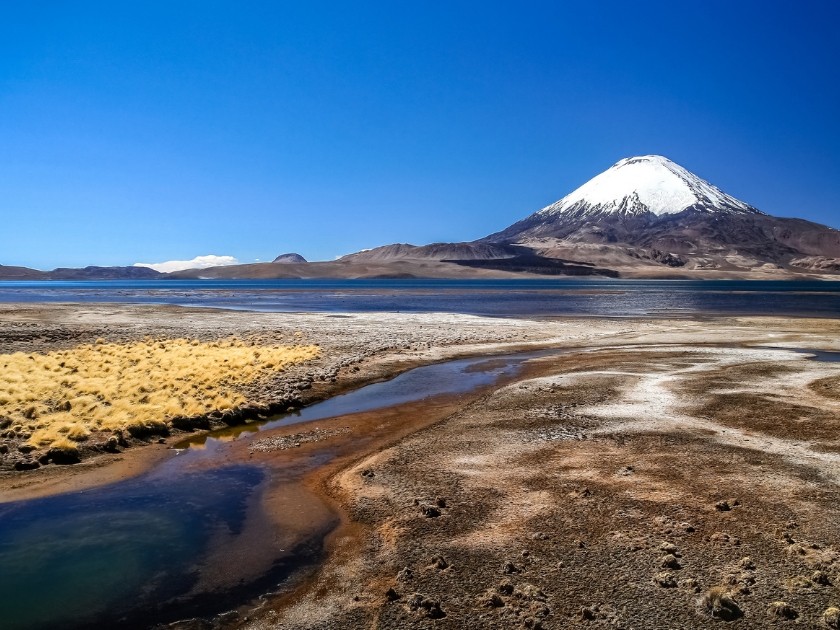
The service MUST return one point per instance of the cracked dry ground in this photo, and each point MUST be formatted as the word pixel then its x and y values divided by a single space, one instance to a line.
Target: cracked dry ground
pixel 610 489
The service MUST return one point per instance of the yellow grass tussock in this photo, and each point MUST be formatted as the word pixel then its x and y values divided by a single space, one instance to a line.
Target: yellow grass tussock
pixel 60 397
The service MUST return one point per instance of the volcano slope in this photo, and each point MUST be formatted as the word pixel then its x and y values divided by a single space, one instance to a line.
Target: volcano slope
pixel 670 479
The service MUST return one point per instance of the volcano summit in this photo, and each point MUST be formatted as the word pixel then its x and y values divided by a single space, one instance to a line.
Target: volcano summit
pixel 648 211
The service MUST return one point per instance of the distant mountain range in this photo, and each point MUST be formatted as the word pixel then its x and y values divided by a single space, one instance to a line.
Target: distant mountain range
pixel 643 217
pixel 84 273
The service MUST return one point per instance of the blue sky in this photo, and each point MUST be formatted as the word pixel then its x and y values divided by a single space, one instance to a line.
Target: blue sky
pixel 151 131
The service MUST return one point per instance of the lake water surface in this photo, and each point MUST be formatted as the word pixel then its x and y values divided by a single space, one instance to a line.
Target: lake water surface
pixel 543 297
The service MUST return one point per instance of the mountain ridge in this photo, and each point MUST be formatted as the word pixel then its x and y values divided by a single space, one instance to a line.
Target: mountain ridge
pixel 645 216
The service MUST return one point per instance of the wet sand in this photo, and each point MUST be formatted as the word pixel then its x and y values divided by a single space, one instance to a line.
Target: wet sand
pixel 609 486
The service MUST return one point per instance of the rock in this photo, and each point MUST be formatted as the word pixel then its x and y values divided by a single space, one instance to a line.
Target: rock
pixel 433 610
pixel 782 610
pixel 821 578
pixel 669 561
pixel 405 575
pixel 669 547
pixel 491 600
pixel 726 505
pixel 64 456
pixel 505 588
pixel 665 579
pixel 429 511
pixel 440 502
pixel 429 607
pixel 591 613
pixel 367 473
pixel 391 595
pixel 439 562
pixel 25 448
pixel 530 592
pixel 3 449
pixel 415 601
pixel 25 464
pixel 510 568
pixel 690 584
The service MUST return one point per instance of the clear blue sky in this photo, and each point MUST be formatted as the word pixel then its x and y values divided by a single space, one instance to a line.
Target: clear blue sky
pixel 150 131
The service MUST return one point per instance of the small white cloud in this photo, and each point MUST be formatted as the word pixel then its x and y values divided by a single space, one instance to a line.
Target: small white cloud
pixel 199 262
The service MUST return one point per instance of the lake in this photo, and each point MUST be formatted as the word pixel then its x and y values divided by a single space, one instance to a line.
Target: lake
pixel 500 298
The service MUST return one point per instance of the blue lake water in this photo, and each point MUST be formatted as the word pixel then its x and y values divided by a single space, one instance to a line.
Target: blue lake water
pixel 551 297
pixel 99 556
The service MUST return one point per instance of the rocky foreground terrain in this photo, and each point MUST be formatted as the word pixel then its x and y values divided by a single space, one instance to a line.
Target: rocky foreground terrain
pixel 647 474
pixel 672 475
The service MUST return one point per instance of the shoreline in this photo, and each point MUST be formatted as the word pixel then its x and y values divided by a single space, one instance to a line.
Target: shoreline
pixel 46 327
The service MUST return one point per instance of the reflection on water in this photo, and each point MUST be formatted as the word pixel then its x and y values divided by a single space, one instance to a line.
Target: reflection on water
pixel 93 556
pixel 822 356
pixel 451 377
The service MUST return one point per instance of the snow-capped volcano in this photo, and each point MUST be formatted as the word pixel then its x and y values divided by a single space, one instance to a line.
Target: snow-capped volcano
pixel 648 210
pixel 624 202
pixel 648 183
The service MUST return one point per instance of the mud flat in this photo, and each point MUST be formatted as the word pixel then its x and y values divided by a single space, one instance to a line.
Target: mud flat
pixel 669 475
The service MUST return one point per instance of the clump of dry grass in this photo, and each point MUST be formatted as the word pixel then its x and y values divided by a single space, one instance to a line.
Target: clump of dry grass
pixel 58 399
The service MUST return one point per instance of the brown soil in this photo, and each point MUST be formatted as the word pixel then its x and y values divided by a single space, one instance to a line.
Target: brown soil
pixel 612 489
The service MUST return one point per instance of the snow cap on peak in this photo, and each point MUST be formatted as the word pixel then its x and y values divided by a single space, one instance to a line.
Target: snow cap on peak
pixel 646 183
